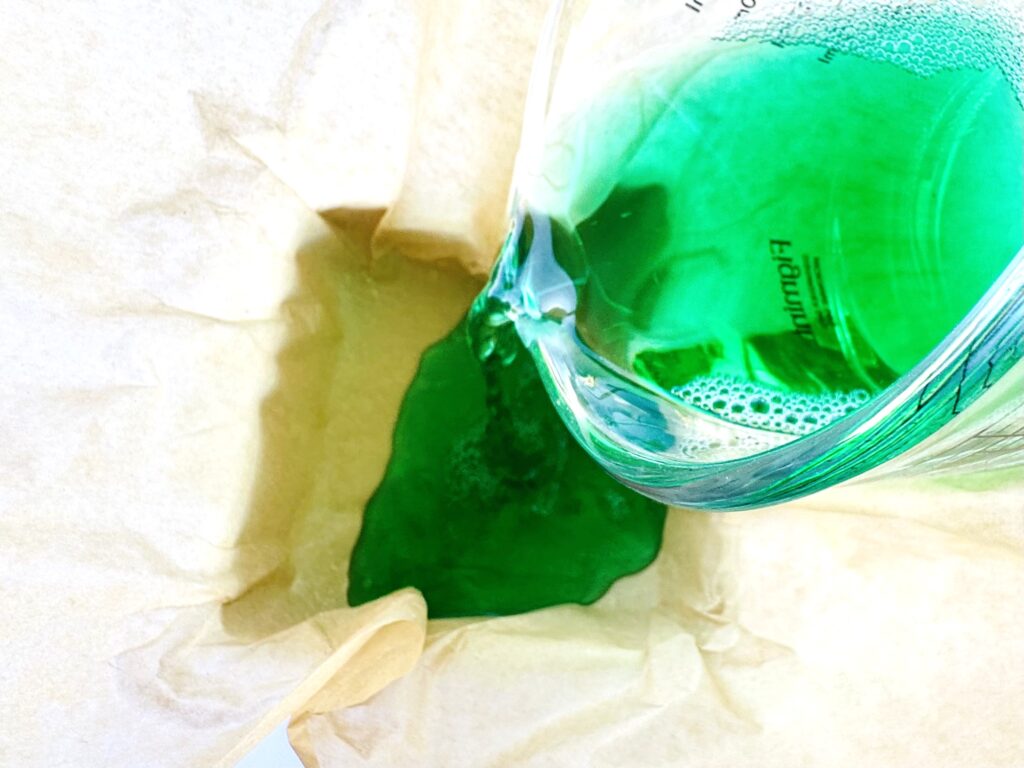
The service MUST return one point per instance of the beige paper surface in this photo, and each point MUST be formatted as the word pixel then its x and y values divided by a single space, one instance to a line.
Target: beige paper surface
pixel 836 632
pixel 197 388
pixel 200 377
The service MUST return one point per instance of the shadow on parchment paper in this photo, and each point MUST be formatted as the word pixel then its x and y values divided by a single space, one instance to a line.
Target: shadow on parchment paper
pixel 356 332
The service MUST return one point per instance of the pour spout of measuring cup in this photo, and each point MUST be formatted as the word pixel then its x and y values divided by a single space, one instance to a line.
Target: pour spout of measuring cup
pixel 491 327
pixel 528 290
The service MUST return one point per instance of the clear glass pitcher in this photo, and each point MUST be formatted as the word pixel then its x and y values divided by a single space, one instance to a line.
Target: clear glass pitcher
pixel 761 247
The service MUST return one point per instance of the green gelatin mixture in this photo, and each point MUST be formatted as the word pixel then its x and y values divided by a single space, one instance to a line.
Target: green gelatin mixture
pixel 488 506
pixel 768 234
pixel 772 235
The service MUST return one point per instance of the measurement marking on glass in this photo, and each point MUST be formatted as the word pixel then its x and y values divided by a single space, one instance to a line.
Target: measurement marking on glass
pixel 746 6
pixel 694 5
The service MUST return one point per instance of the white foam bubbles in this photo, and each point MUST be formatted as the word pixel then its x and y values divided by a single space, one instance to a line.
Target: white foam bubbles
pixel 922 36
pixel 760 407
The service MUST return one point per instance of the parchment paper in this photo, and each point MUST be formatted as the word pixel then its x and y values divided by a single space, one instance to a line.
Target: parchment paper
pixel 228 232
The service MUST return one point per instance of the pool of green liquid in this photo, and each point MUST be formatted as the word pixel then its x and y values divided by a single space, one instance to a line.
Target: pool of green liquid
pixel 774 234
pixel 488 506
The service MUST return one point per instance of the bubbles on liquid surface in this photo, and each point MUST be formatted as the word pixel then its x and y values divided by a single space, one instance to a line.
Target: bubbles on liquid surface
pixel 760 407
pixel 922 36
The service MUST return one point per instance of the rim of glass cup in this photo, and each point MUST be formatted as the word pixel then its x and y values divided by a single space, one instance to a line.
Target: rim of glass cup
pixel 971 358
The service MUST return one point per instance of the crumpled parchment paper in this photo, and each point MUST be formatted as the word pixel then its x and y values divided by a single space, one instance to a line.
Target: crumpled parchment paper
pixel 229 229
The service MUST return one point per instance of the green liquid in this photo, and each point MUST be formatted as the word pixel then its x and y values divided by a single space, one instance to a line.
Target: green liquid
pixel 488 506
pixel 774 234
pixel 770 235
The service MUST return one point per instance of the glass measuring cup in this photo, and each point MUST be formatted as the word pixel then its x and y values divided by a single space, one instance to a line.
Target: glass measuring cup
pixel 760 247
